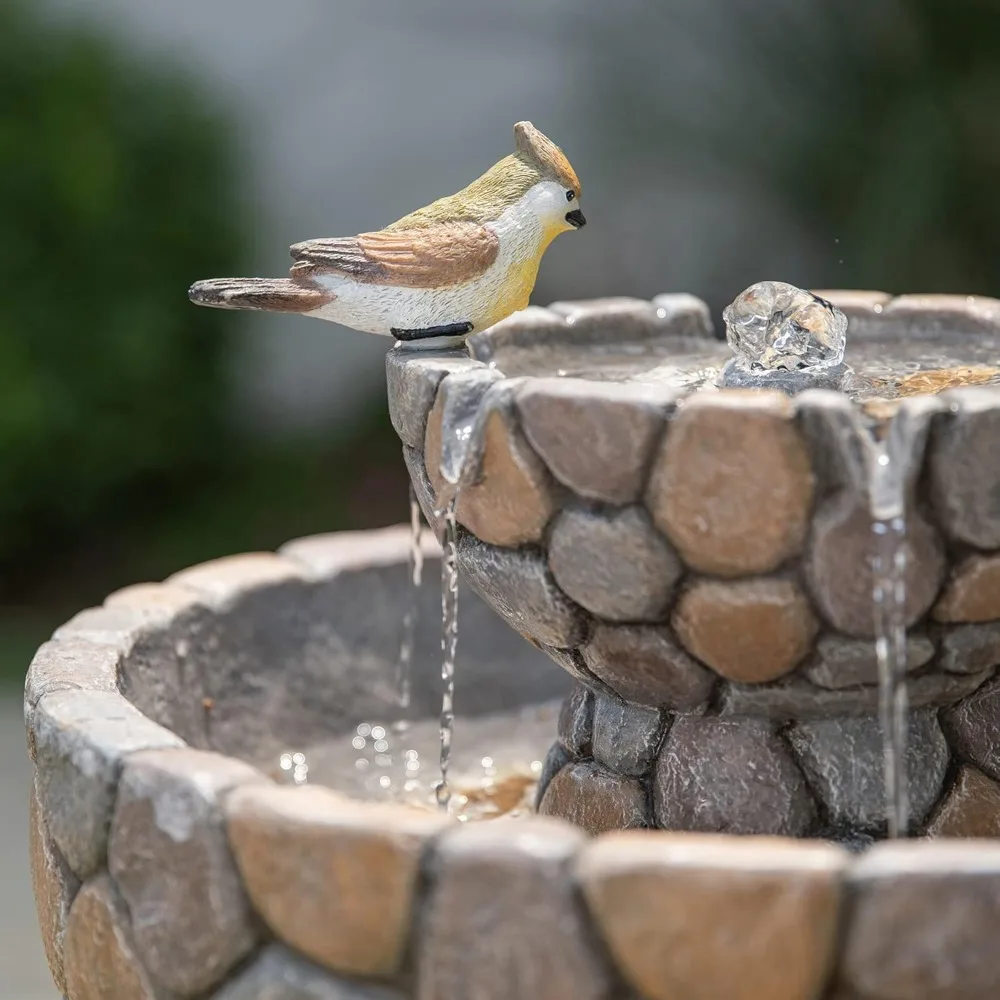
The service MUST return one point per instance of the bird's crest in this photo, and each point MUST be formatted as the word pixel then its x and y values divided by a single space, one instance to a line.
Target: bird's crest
pixel 543 154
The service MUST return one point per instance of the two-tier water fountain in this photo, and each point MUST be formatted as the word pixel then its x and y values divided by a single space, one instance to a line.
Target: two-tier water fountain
pixel 772 585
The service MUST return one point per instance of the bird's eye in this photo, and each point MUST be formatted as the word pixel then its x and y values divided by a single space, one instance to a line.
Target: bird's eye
pixel 570 195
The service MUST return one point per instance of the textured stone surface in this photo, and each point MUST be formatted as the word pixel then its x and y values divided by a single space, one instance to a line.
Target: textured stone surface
pixel 555 760
pixel 646 665
pixel 613 563
pixel 834 429
pixel 595 437
pixel 224 581
pixel 81 740
pixel 732 775
pixel 280 974
pixel 970 809
pixel 517 584
pixel 970 649
pixel 54 886
pixel 508 883
pixel 626 736
pixel 923 922
pixel 708 918
pixel 170 858
pixel 973 728
pixel 838 565
pixel 731 486
pixel 423 489
pixel 596 800
pixel 576 722
pixel 842 662
pixel 798 699
pixel 843 761
pixel 412 380
pixel 973 592
pixel 964 467
pixel 313 861
pixel 101 963
pixel 71 665
pixel 747 630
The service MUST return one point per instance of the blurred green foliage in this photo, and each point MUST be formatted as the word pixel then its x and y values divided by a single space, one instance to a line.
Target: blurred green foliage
pixel 118 187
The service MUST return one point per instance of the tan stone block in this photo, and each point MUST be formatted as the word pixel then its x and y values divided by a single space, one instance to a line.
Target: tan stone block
pixel 973 592
pixel 748 630
pixel 54 886
pixel 970 809
pixel 595 800
pixel 332 878
pixel 101 963
pixel 706 917
pixel 732 485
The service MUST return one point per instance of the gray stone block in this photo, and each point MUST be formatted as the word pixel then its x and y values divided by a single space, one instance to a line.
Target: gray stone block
pixel 507 883
pixel 81 741
pixel 517 584
pixel 555 760
pixel 728 775
pixel 646 665
pixel 169 855
pixel 614 563
pixel 843 760
pixel 626 736
pixel 973 728
pixel 279 974
pixel 843 662
pixel 970 649
pixel 576 722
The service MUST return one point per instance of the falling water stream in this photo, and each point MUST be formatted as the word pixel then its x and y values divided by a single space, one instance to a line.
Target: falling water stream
pixel 404 666
pixel 449 644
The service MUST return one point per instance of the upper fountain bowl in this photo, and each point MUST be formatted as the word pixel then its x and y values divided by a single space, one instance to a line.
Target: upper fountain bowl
pixel 700 558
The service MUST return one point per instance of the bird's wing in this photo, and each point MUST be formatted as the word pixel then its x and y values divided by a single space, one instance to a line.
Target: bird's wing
pixel 449 253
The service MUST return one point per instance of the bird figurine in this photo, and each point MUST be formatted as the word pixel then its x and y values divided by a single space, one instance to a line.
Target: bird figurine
pixel 461 264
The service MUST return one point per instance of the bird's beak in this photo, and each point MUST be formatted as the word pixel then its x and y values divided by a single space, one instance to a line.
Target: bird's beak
pixel 576 219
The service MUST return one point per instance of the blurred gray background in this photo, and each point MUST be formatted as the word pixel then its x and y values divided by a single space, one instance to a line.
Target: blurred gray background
pixel 823 142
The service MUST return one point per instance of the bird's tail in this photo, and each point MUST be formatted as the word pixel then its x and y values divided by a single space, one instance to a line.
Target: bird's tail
pixel 263 294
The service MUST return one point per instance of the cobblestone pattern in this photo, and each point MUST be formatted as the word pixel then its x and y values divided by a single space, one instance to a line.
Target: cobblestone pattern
pixel 730 546
pixel 911 921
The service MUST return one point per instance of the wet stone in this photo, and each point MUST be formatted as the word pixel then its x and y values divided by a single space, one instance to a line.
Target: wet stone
pixel 595 799
pixel 626 736
pixel 973 592
pixel 729 775
pixel 54 887
pixel 280 974
pixel 843 761
pixel 413 381
pixel 507 882
pixel 923 922
pixel 798 699
pixel 81 741
pixel 100 960
pixel 312 860
pixel 617 426
pixel 646 665
pixel 842 662
pixel 555 760
pixel 964 468
pixel 614 564
pixel 731 485
pixel 970 649
pixel 170 858
pixel 708 917
pixel 837 439
pixel 576 722
pixel 970 809
pixel 838 565
pixel 414 461
pixel 750 631
pixel 517 584
pixel 973 729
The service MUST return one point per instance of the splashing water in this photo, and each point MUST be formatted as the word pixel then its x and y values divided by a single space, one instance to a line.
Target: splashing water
pixel 889 603
pixel 449 645
pixel 404 665
pixel 296 768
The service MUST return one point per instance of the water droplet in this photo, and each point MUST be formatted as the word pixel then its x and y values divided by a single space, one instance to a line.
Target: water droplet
pixel 385 781
pixel 362 763
pixel 285 761
pixel 359 743
pixel 364 729
pixel 536 767
pixel 487 762
pixel 298 758
pixel 378 732
pixel 381 746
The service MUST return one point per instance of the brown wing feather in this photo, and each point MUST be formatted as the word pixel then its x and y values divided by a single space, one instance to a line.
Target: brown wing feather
pixel 450 253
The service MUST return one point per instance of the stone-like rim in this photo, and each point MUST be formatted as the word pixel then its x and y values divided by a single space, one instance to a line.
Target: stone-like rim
pixel 73 701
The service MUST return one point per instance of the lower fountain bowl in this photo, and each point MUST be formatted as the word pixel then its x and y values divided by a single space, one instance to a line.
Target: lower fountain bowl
pixel 702 563
pixel 166 864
